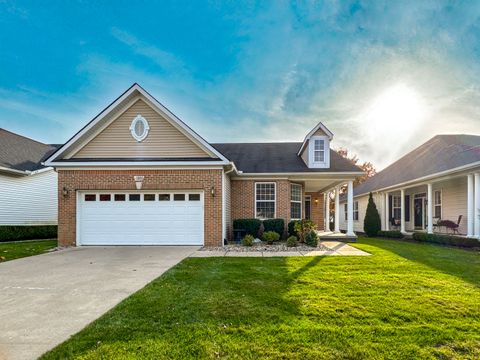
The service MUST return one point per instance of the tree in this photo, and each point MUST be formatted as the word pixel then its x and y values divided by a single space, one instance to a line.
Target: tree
pixel 372 223
pixel 366 166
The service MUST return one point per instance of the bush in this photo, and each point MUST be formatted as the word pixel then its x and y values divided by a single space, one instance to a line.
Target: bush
pixel 302 227
pixel 248 240
pixel 451 240
pixel 27 232
pixel 311 238
pixel 392 234
pixel 291 227
pixel 277 225
pixel 251 226
pixel 270 237
pixel 372 223
pixel 292 241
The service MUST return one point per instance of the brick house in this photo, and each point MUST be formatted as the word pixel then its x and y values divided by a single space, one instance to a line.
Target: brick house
pixel 138 175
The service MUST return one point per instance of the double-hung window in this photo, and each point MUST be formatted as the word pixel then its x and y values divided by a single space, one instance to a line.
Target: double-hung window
pixel 355 211
pixel 296 201
pixel 437 204
pixel 397 209
pixel 319 150
pixel 265 199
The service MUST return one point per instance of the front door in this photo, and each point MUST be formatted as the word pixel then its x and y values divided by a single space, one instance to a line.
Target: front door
pixel 418 213
pixel 308 207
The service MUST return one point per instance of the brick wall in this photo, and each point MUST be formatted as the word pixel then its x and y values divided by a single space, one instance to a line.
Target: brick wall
pixel 75 180
pixel 318 209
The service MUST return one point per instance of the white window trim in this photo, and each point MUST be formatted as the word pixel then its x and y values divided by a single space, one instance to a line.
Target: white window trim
pixel 311 152
pixel 146 128
pixel 274 200
pixel 399 207
pixel 355 210
pixel 441 203
pixel 296 201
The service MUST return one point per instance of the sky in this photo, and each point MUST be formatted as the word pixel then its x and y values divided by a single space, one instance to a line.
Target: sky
pixel 383 76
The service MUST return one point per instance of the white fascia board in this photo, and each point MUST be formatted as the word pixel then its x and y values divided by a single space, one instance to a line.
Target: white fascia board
pixel 136 163
pixel 112 106
pixel 308 174
pixel 14 171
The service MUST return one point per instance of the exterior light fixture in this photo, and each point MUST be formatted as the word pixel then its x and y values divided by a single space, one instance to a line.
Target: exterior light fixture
pixel 316 201
pixel 212 191
pixel 138 182
pixel 65 192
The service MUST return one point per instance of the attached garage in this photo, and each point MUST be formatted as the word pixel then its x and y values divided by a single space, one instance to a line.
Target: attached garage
pixel 140 218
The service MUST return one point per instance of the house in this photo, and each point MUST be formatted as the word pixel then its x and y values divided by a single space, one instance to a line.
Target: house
pixel 439 180
pixel 28 190
pixel 138 175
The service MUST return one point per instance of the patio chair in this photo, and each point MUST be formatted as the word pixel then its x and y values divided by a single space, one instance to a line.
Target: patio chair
pixel 449 224
pixel 394 224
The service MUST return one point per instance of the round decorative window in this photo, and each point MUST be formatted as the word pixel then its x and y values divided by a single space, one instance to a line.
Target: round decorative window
pixel 139 128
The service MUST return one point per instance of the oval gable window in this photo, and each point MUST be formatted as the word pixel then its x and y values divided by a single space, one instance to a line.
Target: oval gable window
pixel 139 128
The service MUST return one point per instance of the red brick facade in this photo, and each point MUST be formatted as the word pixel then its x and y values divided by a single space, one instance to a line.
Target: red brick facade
pixel 74 180
pixel 318 209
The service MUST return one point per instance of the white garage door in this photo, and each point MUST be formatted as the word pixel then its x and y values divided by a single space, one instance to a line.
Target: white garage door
pixel 140 218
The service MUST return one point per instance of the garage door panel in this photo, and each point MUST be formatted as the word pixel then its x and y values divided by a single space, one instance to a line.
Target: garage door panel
pixel 141 222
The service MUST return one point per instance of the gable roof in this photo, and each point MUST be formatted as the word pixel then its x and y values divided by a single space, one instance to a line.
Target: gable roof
pixel 439 154
pixel 95 125
pixel 319 126
pixel 19 154
pixel 278 158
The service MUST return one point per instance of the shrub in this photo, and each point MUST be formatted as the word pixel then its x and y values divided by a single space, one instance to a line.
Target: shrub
pixel 372 223
pixel 311 238
pixel 291 227
pixel 270 237
pixel 27 232
pixel 292 241
pixel 251 226
pixel 392 234
pixel 277 225
pixel 248 240
pixel 302 227
pixel 446 240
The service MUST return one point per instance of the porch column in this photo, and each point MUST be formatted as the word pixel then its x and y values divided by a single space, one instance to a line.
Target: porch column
pixel 387 213
pixel 470 205
pixel 402 211
pixel 477 206
pixel 327 211
pixel 429 208
pixel 337 209
pixel 350 208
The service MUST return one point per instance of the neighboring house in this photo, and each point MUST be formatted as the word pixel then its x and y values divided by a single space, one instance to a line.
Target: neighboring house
pixel 136 174
pixel 28 190
pixel 439 180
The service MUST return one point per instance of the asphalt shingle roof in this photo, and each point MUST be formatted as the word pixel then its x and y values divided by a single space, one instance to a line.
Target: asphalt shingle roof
pixel 277 158
pixel 441 153
pixel 21 153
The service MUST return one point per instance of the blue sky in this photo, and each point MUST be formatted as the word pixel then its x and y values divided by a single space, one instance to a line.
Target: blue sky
pixel 384 76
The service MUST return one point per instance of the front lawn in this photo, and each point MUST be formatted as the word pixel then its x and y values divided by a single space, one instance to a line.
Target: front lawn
pixel 19 249
pixel 405 301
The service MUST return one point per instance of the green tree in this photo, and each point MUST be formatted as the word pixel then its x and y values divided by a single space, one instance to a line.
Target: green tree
pixel 372 223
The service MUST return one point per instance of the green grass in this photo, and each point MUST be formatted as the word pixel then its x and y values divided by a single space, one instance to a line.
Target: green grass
pixel 406 301
pixel 16 250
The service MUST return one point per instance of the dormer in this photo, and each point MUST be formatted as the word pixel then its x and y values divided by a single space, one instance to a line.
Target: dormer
pixel 315 149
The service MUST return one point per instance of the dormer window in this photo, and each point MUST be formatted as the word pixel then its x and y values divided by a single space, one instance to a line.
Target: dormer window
pixel 319 150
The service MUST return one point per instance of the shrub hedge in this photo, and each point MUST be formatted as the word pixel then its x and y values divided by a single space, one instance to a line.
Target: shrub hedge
pixel 311 238
pixel 27 232
pixel 392 234
pixel 291 227
pixel 251 226
pixel 271 236
pixel 277 225
pixel 447 240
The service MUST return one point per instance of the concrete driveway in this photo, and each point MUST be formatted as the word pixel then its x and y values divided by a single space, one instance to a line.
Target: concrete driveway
pixel 46 298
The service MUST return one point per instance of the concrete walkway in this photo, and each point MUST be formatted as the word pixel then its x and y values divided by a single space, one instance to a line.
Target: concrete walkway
pixel 334 248
pixel 47 298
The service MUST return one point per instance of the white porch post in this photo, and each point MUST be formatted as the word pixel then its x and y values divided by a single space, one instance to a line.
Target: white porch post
pixel 470 205
pixel 402 211
pixel 387 213
pixel 430 208
pixel 337 209
pixel 350 209
pixel 327 211
pixel 477 206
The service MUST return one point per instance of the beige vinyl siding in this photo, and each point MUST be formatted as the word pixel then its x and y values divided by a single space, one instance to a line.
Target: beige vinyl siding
pixel 319 132
pixel 305 154
pixel 163 140
pixel 29 200
pixel 454 201
pixel 362 209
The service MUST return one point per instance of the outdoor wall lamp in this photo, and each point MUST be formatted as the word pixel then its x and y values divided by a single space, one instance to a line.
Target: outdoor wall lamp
pixel 316 201
pixel 212 191
pixel 65 192
pixel 138 182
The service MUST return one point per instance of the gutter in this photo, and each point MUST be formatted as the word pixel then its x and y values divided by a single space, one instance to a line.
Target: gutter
pixel 24 172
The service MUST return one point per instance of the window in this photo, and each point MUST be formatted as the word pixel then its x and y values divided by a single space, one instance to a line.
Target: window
pixel 193 197
pixel 119 197
pixel 296 201
pixel 178 197
pixel 308 207
pixel 396 208
pixel 355 211
pixel 134 197
pixel 265 200
pixel 319 150
pixel 139 128
pixel 437 204
pixel 90 197
pixel 105 197
pixel 163 197
pixel 149 197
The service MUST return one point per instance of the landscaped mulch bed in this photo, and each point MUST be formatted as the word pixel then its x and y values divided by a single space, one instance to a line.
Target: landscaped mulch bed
pixel 265 247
